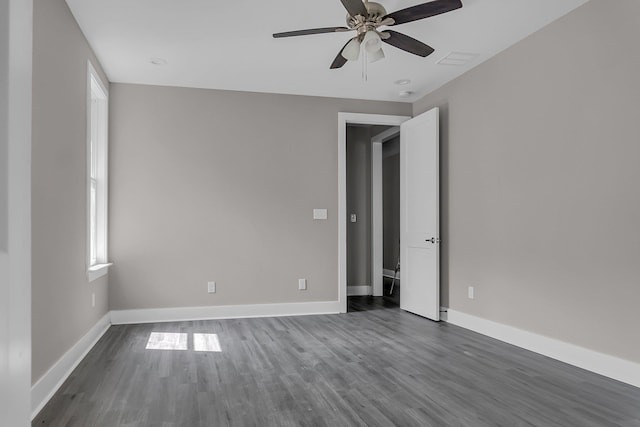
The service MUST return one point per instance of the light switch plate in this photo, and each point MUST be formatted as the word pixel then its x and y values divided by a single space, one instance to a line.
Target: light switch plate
pixel 302 284
pixel 319 214
pixel 211 287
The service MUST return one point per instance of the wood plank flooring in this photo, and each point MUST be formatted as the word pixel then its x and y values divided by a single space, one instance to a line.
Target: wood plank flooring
pixel 377 366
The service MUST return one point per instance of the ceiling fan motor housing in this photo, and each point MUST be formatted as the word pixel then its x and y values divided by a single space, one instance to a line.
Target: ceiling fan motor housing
pixel 375 12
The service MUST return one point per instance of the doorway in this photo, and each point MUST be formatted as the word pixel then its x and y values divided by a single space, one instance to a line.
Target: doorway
pixel 373 214
pixel 361 275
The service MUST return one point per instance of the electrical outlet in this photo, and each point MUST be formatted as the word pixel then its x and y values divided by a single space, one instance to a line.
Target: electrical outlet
pixel 354 217
pixel 93 299
pixel 211 287
pixel 302 284
pixel 319 214
pixel 471 292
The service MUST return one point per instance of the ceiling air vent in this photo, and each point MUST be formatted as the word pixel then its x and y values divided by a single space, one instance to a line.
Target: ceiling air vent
pixel 457 58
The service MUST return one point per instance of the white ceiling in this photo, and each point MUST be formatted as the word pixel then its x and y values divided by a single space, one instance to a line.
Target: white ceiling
pixel 228 44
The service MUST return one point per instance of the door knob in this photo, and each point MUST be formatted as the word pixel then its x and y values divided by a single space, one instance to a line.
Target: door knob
pixel 432 240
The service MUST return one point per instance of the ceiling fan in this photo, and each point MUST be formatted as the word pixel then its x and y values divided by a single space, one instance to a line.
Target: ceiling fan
pixel 365 18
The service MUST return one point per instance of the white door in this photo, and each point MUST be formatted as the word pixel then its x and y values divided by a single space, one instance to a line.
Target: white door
pixel 419 215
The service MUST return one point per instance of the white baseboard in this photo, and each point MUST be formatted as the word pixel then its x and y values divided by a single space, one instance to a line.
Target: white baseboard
pixel 353 291
pixel 389 273
pixel 51 381
pixel 600 363
pixel 157 315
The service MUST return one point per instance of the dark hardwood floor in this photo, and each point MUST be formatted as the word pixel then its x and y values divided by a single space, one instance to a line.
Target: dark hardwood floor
pixel 377 366
pixel 368 303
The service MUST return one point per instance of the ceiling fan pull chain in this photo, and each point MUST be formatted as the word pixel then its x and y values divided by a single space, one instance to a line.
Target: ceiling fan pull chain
pixel 364 66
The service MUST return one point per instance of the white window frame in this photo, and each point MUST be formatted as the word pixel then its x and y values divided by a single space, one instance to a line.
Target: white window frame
pixel 97 175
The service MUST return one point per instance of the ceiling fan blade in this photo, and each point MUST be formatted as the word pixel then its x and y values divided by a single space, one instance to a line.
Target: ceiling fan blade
pixel 407 43
pixel 340 60
pixel 424 10
pixel 355 7
pixel 310 32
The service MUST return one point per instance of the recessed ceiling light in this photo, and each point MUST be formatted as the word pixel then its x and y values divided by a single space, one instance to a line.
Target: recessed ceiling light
pixel 158 61
pixel 402 82
pixel 405 94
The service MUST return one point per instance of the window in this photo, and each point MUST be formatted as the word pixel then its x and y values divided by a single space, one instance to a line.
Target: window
pixel 97 191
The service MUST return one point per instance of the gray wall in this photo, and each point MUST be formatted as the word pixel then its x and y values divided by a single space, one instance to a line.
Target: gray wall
pixel 391 203
pixel 215 185
pixel 541 206
pixel 359 203
pixel 61 301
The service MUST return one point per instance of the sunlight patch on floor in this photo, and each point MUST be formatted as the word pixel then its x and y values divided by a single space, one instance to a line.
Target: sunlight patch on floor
pixel 206 342
pixel 167 341
pixel 180 341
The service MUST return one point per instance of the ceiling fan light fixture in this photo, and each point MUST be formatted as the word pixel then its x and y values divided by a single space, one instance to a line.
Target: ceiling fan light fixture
pixel 351 51
pixel 372 42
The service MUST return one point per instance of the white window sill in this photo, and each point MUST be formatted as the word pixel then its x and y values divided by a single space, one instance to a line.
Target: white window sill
pixel 96 271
